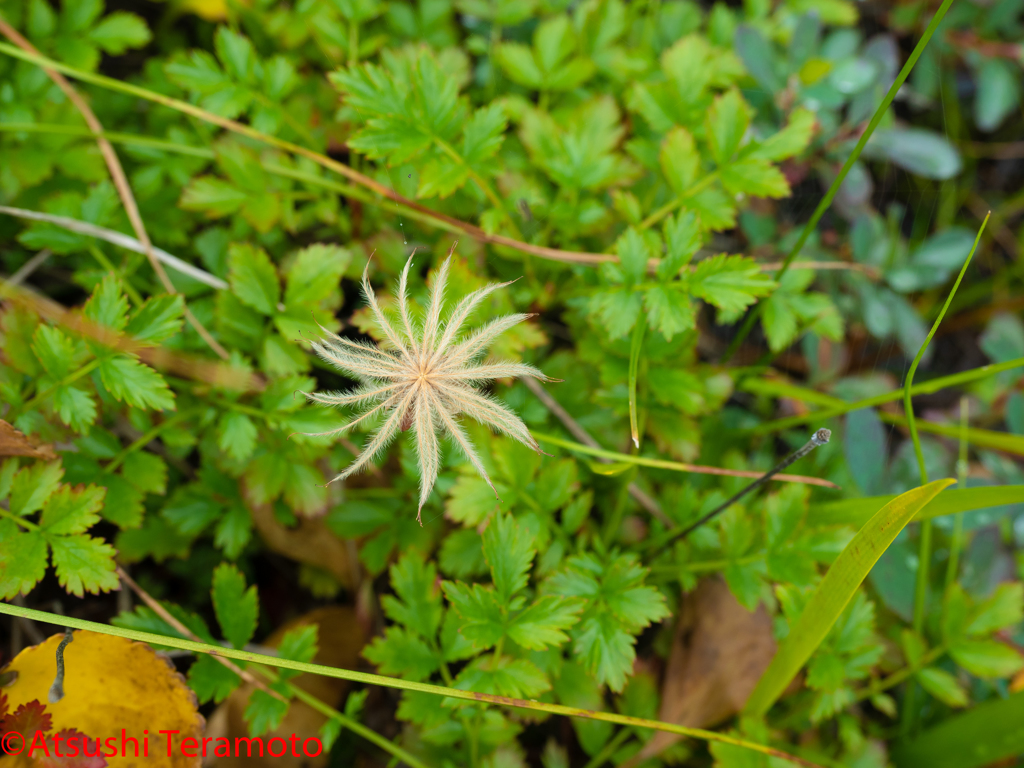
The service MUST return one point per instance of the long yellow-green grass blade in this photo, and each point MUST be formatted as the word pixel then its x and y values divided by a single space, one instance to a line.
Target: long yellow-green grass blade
pixel 833 189
pixel 768 387
pixel 835 591
pixel 389 682
pixel 857 512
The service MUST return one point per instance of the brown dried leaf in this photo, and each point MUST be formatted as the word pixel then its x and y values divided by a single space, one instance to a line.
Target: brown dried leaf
pixel 341 640
pixel 719 651
pixel 310 542
pixel 15 443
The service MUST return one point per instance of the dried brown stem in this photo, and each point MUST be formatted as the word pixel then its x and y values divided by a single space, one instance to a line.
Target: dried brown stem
pixel 117 174
pixel 638 494
pixel 188 366
pixel 164 614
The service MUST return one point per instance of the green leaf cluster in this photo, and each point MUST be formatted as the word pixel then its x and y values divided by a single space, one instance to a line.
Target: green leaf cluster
pixel 28 544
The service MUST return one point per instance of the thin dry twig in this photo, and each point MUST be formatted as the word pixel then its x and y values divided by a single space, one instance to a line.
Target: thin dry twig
pixel 451 223
pixel 29 267
pixel 215 374
pixel 162 612
pixel 584 437
pixel 117 238
pixel 124 191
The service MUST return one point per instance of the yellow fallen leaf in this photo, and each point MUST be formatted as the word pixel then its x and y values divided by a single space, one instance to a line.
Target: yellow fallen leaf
pixel 211 10
pixel 114 689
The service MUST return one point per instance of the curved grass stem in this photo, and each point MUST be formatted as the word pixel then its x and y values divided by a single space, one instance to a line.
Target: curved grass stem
pixel 390 682
pixel 924 554
pixel 925 551
pixel 833 189
pixel 834 407
pixel 554 254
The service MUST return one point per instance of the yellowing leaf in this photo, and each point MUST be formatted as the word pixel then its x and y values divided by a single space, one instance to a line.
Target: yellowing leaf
pixel 111 686
pixel 211 10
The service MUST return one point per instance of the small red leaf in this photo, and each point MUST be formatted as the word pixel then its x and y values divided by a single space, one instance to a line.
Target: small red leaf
pixel 27 719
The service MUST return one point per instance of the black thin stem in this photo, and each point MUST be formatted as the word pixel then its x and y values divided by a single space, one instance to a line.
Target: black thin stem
pixel 818 438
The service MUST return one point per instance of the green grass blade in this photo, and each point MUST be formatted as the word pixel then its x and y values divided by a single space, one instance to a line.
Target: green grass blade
pixel 985 735
pixel 636 345
pixel 857 512
pixel 909 383
pixel 675 466
pixel 924 553
pixel 390 682
pixel 835 591
pixel 767 386
pixel 981 438
pixel 833 189
pixel 956 541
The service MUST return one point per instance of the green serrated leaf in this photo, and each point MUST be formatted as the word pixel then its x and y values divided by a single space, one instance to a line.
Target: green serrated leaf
pixel 517 678
pixel 75 407
pixel 253 278
pixel 418 605
pixel 136 384
pixel 83 564
pixel 146 471
pixel 791 140
pixel 683 239
pixel 158 319
pixel 731 283
pixel 298 644
pixel 215 197
pixel 233 530
pixel 680 161
pixel 211 680
pixel 33 485
pixel 545 622
pixel 509 551
pixel 23 559
pixel 107 306
pixel 55 351
pixel 1003 608
pixel 633 255
pixel 237 608
pixel 669 311
pixel 72 511
pixel 727 123
pixel 483 621
pixel 753 176
pixel 315 275
pixel 236 435
pixel 264 713
pixel 484 133
pixel 402 653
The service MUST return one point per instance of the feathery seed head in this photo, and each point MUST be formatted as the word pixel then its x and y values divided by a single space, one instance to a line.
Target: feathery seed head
pixel 425 377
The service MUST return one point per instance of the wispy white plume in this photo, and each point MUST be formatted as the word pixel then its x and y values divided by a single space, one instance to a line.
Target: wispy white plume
pixel 425 378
